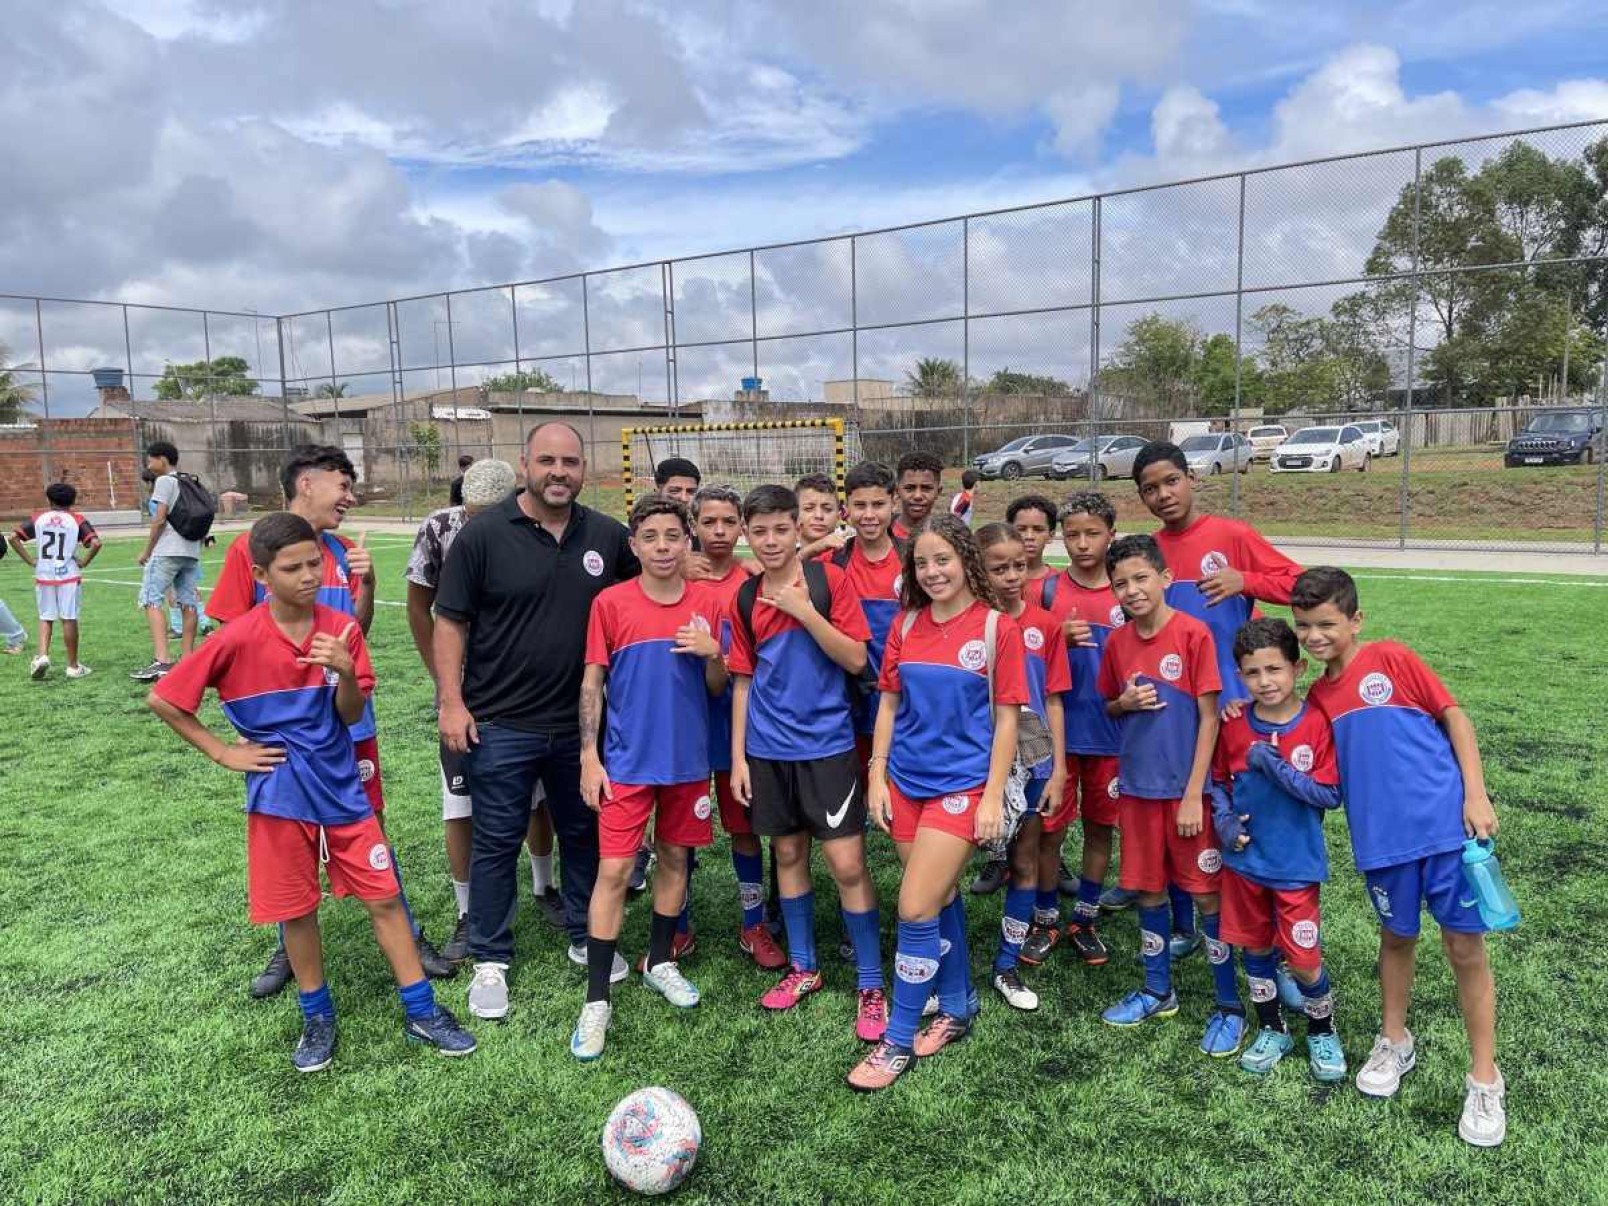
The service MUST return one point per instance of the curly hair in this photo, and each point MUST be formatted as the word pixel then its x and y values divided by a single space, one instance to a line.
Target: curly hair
pixel 959 537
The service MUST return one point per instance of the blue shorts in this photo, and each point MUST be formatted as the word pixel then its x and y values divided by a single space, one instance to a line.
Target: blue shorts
pixel 182 575
pixel 1033 792
pixel 1399 892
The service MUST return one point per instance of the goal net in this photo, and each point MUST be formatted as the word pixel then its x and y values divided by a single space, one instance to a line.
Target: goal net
pixel 741 455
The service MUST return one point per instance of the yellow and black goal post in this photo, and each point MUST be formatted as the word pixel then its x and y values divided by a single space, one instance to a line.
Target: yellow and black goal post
pixel 742 455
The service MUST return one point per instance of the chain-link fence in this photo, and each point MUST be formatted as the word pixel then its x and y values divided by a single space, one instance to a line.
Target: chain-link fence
pixel 1456 293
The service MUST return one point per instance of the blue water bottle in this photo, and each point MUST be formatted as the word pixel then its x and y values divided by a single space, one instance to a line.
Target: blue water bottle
pixel 1483 875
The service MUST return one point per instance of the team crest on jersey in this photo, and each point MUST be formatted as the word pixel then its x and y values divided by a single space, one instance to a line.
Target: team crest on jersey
pixel 1118 617
pixel 1381 899
pixel 1033 638
pixel 379 857
pixel 331 677
pixel 1376 689
pixel 1114 788
pixel 898 585
pixel 340 574
pixel 1014 929
pixel 1304 934
pixel 914 969
pixel 365 770
pixel 701 808
pixel 973 655
pixel 1172 667
pixel 700 623
pixel 1151 943
pixel 1210 860
pixel 593 561
pixel 955 805
pixel 1301 757
pixel 1212 562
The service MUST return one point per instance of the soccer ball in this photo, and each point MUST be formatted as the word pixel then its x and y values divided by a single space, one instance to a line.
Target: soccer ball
pixel 651 1141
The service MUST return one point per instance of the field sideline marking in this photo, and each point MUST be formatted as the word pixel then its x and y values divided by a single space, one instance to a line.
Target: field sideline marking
pixel 126 582
pixel 1479 576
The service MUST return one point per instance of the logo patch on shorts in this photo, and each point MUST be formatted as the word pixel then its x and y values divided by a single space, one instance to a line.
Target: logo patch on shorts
pixel 1210 860
pixel 1376 689
pixel 913 969
pixel 955 805
pixel 1304 934
pixel 1118 616
pixel 1172 667
pixel 1381 900
pixel 379 857
pixel 1151 943
pixel 701 808
pixel 593 562
pixel 365 770
pixel 1014 929
pixel 973 655
pixel 1301 757
pixel 1032 638
pixel 1212 562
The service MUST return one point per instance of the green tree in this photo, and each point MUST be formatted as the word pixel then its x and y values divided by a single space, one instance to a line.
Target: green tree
pixel 520 381
pixel 425 443
pixel 933 377
pixel 221 376
pixel 1007 381
pixel 1214 378
pixel 14 395
pixel 1157 360
pixel 331 389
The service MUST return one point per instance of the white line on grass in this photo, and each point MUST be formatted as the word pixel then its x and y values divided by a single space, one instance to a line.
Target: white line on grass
pixel 126 582
pixel 1476 576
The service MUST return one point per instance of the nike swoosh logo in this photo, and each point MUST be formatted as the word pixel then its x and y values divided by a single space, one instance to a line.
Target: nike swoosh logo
pixel 834 819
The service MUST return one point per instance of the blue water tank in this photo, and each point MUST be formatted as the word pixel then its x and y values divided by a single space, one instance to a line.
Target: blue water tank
pixel 107 378
pixel 752 384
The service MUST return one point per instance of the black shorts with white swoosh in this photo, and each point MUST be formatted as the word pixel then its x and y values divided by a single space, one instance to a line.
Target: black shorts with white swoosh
pixel 821 795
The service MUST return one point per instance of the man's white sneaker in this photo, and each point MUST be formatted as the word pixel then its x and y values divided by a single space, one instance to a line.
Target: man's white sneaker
pixel 1387 1063
pixel 666 979
pixel 1484 1120
pixel 79 671
pixel 488 991
pixel 617 974
pixel 39 667
pixel 591 1030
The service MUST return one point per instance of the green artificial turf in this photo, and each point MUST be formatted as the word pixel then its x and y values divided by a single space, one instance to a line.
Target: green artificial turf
pixel 135 1067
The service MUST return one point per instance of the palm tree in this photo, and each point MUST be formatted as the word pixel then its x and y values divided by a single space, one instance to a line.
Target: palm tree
pixel 13 394
pixel 933 377
pixel 331 389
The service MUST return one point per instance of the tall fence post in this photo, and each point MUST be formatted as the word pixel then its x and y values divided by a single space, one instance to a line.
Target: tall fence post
pixel 965 342
pixel 586 337
pixel 47 461
pixel 667 285
pixel 1601 447
pixel 1094 319
pixel 1404 498
pixel 133 415
pixel 1239 316
pixel 284 385
pixel 854 323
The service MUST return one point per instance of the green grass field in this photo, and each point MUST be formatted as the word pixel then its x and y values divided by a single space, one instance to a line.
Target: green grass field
pixel 136 1068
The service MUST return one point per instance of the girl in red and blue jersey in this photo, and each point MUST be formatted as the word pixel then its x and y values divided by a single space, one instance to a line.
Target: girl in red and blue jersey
pixel 940 756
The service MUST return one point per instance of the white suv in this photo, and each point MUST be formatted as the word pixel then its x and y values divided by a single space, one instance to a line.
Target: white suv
pixel 1265 438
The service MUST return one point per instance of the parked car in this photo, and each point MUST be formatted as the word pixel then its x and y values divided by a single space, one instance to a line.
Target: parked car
pixel 1219 452
pixel 1557 437
pixel 1382 436
pixel 1323 450
pixel 1023 457
pixel 1265 438
pixel 1098 457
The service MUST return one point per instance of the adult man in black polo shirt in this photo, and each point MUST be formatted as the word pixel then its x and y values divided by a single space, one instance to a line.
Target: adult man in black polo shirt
pixel 509 644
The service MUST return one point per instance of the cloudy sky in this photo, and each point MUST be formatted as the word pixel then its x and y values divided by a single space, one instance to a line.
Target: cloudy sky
pixel 286 154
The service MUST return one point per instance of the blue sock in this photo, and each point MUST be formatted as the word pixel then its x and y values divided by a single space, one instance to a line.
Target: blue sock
pixel 1221 956
pixel 684 922
pixel 750 869
pixel 1046 907
pixel 954 973
pixel 1318 1003
pixel 1087 908
pixel 418 999
pixel 1183 910
pixel 865 932
pixel 798 915
pixel 402 895
pixel 318 1003
pixel 915 963
pixel 1013 926
pixel 1155 924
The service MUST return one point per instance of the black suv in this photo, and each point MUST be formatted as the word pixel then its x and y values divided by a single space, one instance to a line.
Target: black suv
pixel 1557 437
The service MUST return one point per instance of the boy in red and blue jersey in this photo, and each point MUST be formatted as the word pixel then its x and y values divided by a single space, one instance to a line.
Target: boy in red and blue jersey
pixel 653 640
pixel 798 633
pixel 1414 789
pixel 1033 517
pixel 292 676
pixel 1159 676
pixel 919 477
pixel 1273 778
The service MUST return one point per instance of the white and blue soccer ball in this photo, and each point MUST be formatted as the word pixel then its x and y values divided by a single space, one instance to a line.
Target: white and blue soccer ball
pixel 651 1141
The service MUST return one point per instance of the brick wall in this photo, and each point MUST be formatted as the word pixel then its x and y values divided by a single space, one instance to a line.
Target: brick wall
pixel 95 455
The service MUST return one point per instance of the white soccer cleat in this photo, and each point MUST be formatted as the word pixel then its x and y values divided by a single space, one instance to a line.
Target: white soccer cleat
pixel 1387 1063
pixel 1484 1120
pixel 666 980
pixel 39 667
pixel 79 671
pixel 591 1030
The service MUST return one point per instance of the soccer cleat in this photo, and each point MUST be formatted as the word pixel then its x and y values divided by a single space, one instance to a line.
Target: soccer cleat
pixel 488 992
pixel 1087 944
pixel 441 1031
pixel 39 667
pixel 791 989
pixel 882 1065
pixel 1038 944
pixel 1139 1007
pixel 991 878
pixel 551 903
pixel 79 671
pixel 1224 1035
pixel 1289 990
pixel 940 1032
pixel 666 980
pixel 1181 946
pixel 315 1050
pixel 146 674
pixel 271 980
pixel 1017 995
pixel 757 943
pixel 1114 900
pixel 436 965
pixel 638 883
pixel 1484 1120
pixel 682 945
pixel 457 948
pixel 617 973
pixel 1263 1055
pixel 1326 1057
pixel 1067 883
pixel 591 1030
pixel 1387 1063
pixel 871 1015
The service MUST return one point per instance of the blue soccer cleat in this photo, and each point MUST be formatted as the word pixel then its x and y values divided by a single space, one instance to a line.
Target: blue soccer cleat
pixel 1325 1057
pixel 1181 946
pixel 1289 990
pixel 1114 900
pixel 316 1047
pixel 1139 1007
pixel 1225 1034
pixel 1262 1056
pixel 441 1031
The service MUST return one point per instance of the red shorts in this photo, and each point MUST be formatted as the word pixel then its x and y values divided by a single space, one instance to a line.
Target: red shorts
pixel 1154 855
pixel 733 816
pixel 368 771
pixel 282 858
pixel 1091 790
pixel 1258 917
pixel 680 814
pixel 955 813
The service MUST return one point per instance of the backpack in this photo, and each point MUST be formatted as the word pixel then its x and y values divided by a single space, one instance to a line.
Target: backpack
pixel 1047 594
pixel 862 685
pixel 840 557
pixel 195 508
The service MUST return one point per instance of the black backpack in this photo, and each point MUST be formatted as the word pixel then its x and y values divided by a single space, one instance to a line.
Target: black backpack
pixel 1047 596
pixel 862 685
pixel 840 557
pixel 192 513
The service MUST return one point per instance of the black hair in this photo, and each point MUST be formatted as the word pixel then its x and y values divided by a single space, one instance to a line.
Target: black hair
pixel 1266 632
pixel 1157 451
pixel 991 534
pixel 869 475
pixel 1325 584
pixel 920 462
pixel 313 456
pixel 676 466
pixel 275 531
pixel 1143 545
pixel 968 479
pixel 657 504
pixel 770 500
pixel 147 477
pixel 716 494
pixel 1088 502
pixel 465 461
pixel 1031 502
pixel 61 494
pixel 165 449
pixel 959 537
pixel 818 482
